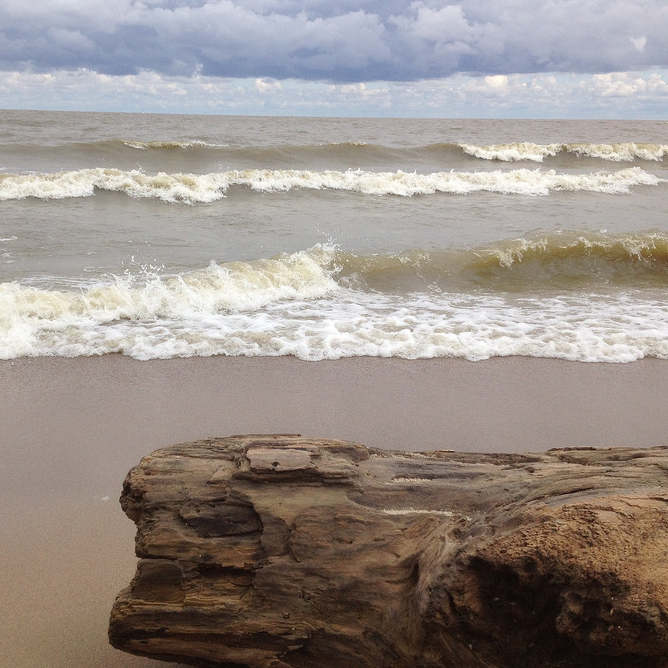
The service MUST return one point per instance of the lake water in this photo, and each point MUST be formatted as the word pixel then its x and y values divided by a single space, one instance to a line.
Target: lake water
pixel 164 236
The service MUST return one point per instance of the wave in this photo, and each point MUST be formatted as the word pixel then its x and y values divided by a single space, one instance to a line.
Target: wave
pixel 620 152
pixel 333 154
pixel 232 286
pixel 199 143
pixel 206 188
pixel 573 295
pixel 354 153
pixel 541 262
pixel 188 144
pixel 506 152
pixel 149 300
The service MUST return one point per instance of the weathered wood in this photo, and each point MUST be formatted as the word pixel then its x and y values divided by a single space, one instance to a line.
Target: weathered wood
pixel 282 551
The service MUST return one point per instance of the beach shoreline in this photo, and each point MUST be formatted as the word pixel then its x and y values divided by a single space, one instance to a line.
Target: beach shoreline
pixel 72 427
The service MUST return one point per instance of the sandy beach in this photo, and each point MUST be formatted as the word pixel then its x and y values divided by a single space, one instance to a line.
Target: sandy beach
pixel 71 428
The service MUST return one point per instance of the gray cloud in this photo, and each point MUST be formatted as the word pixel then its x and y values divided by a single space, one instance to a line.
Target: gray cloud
pixel 335 40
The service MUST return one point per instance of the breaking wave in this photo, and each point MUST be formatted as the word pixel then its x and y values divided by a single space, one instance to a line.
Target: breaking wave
pixel 206 188
pixel 508 152
pixel 147 145
pixel 563 295
pixel 620 152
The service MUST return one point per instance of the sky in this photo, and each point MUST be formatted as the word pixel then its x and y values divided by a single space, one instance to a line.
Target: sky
pixel 399 58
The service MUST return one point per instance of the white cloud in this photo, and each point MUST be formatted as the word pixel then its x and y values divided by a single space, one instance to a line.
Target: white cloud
pixel 497 82
pixel 614 95
pixel 626 84
pixel 265 85
pixel 639 43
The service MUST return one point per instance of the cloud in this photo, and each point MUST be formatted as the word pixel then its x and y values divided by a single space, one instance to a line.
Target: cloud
pixel 265 85
pixel 639 43
pixel 333 40
pixel 611 95
pixel 625 84
pixel 543 58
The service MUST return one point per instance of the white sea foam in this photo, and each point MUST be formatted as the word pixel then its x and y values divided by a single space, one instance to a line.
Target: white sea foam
pixel 83 183
pixel 514 152
pixel 622 152
pixel 146 145
pixel 206 188
pixel 293 306
pixel 187 307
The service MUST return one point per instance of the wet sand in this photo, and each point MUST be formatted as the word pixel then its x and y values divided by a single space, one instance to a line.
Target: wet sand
pixel 71 428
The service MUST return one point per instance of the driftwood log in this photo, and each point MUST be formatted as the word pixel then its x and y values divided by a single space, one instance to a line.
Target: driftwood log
pixel 282 551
